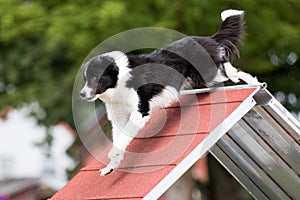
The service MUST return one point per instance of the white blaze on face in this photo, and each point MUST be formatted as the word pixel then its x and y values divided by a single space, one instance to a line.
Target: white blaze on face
pixel 87 90
pixel 89 96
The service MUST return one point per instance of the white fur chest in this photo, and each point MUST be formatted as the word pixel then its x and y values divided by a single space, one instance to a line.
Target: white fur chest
pixel 120 102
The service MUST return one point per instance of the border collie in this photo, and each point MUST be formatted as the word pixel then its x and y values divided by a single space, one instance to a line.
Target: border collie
pixel 133 86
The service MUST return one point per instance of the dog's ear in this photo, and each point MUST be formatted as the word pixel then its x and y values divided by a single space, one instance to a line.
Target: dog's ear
pixel 111 66
pixel 107 59
pixel 113 69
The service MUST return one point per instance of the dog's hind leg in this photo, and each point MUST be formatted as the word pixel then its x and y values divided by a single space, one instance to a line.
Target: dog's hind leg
pixel 235 75
pixel 124 137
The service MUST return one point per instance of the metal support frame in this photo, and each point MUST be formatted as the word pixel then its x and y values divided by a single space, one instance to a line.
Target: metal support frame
pixel 262 150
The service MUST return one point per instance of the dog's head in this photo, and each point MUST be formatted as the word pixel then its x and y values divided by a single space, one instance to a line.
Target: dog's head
pixel 99 73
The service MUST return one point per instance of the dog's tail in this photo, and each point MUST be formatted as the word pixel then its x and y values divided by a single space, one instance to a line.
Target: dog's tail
pixel 231 31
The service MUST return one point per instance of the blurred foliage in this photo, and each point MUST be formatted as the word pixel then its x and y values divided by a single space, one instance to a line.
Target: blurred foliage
pixel 43 43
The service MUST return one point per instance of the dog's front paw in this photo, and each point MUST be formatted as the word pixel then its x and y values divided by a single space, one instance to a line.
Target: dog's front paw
pixel 115 155
pixel 105 171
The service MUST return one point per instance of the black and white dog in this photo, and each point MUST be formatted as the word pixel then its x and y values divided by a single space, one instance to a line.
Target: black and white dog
pixel 133 86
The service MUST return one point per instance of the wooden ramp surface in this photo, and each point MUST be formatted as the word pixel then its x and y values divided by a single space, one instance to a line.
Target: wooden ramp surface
pixel 173 140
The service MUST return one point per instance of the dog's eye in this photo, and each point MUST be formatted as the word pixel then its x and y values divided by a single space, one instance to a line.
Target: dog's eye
pixel 94 79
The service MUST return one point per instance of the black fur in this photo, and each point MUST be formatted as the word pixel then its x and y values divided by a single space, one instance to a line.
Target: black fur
pixel 230 34
pixel 156 78
pixel 192 58
pixel 197 58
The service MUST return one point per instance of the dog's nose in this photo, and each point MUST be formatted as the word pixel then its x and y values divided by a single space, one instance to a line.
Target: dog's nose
pixel 82 94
